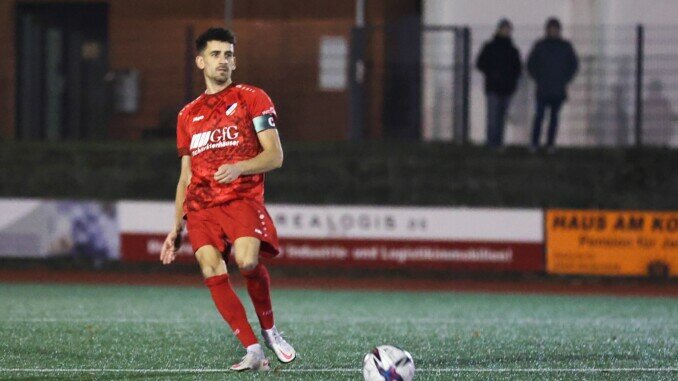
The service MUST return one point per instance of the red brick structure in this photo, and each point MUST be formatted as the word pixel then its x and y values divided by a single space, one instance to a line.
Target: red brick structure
pixel 278 48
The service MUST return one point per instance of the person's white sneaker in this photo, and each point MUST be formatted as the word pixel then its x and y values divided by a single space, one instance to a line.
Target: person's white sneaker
pixel 283 350
pixel 253 360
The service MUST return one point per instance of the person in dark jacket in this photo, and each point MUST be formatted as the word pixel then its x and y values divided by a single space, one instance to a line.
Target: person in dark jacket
pixel 499 61
pixel 552 63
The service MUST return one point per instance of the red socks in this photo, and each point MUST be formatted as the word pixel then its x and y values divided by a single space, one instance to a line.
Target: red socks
pixel 231 308
pixel 258 286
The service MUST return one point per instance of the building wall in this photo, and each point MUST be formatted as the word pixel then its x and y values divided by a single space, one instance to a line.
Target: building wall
pixel 293 9
pixel 155 47
pixel 7 68
pixel 285 64
pixel 273 53
pixel 278 45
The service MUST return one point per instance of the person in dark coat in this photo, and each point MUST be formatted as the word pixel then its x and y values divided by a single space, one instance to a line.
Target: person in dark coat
pixel 552 63
pixel 499 61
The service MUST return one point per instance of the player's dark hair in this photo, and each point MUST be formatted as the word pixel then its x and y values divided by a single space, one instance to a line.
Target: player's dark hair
pixel 214 34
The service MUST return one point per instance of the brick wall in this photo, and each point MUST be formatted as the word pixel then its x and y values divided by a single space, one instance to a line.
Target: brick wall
pixel 278 46
pixel 278 56
pixel 7 69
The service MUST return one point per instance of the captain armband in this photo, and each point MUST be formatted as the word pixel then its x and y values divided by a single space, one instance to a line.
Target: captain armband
pixel 264 122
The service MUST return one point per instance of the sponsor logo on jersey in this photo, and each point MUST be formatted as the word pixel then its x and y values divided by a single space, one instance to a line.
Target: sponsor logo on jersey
pixel 199 118
pixel 246 88
pixel 231 109
pixel 218 138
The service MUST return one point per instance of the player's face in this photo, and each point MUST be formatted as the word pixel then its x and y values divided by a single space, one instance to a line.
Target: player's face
pixel 217 61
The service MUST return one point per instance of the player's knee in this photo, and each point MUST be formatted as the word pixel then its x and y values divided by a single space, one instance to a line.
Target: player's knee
pixel 210 264
pixel 201 257
pixel 208 271
pixel 247 264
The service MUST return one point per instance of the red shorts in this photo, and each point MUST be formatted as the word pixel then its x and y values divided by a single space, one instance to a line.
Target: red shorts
pixel 221 225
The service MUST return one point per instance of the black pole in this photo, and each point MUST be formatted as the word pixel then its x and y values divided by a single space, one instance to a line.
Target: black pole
pixel 640 45
pixel 357 92
pixel 466 85
pixel 459 83
pixel 188 66
pixel 228 13
pixel 357 74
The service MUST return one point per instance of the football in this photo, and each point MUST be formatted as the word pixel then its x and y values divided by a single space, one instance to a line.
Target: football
pixel 388 363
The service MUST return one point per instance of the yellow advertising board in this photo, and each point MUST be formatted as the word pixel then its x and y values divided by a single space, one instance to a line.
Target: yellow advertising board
pixel 610 242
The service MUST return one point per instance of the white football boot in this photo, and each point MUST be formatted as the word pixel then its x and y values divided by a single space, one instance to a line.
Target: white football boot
pixel 283 350
pixel 254 360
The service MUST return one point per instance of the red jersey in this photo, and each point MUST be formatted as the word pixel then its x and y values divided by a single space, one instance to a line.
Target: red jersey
pixel 221 128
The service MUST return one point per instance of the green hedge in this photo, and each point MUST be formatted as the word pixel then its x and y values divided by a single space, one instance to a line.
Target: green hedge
pixel 387 173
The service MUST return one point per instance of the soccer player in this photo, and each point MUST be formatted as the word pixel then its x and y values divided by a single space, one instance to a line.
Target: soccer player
pixel 227 140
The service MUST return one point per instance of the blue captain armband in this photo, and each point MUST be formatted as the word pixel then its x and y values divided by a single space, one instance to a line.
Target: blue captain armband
pixel 264 122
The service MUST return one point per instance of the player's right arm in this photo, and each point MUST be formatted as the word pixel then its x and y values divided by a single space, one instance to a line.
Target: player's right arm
pixel 173 240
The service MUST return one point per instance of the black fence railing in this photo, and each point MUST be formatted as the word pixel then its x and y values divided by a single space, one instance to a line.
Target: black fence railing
pixel 625 93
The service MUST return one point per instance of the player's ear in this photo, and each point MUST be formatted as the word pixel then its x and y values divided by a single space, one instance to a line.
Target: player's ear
pixel 234 64
pixel 200 62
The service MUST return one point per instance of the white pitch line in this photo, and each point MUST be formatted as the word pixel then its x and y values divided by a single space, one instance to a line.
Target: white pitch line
pixel 307 320
pixel 348 370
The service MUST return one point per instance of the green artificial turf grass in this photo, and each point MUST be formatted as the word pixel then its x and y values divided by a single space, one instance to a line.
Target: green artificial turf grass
pixel 174 333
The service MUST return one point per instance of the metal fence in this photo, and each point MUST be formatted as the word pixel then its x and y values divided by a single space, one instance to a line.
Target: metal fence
pixel 446 62
pixel 624 93
pixel 660 90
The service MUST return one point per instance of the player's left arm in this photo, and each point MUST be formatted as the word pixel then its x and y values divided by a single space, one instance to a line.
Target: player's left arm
pixel 270 158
